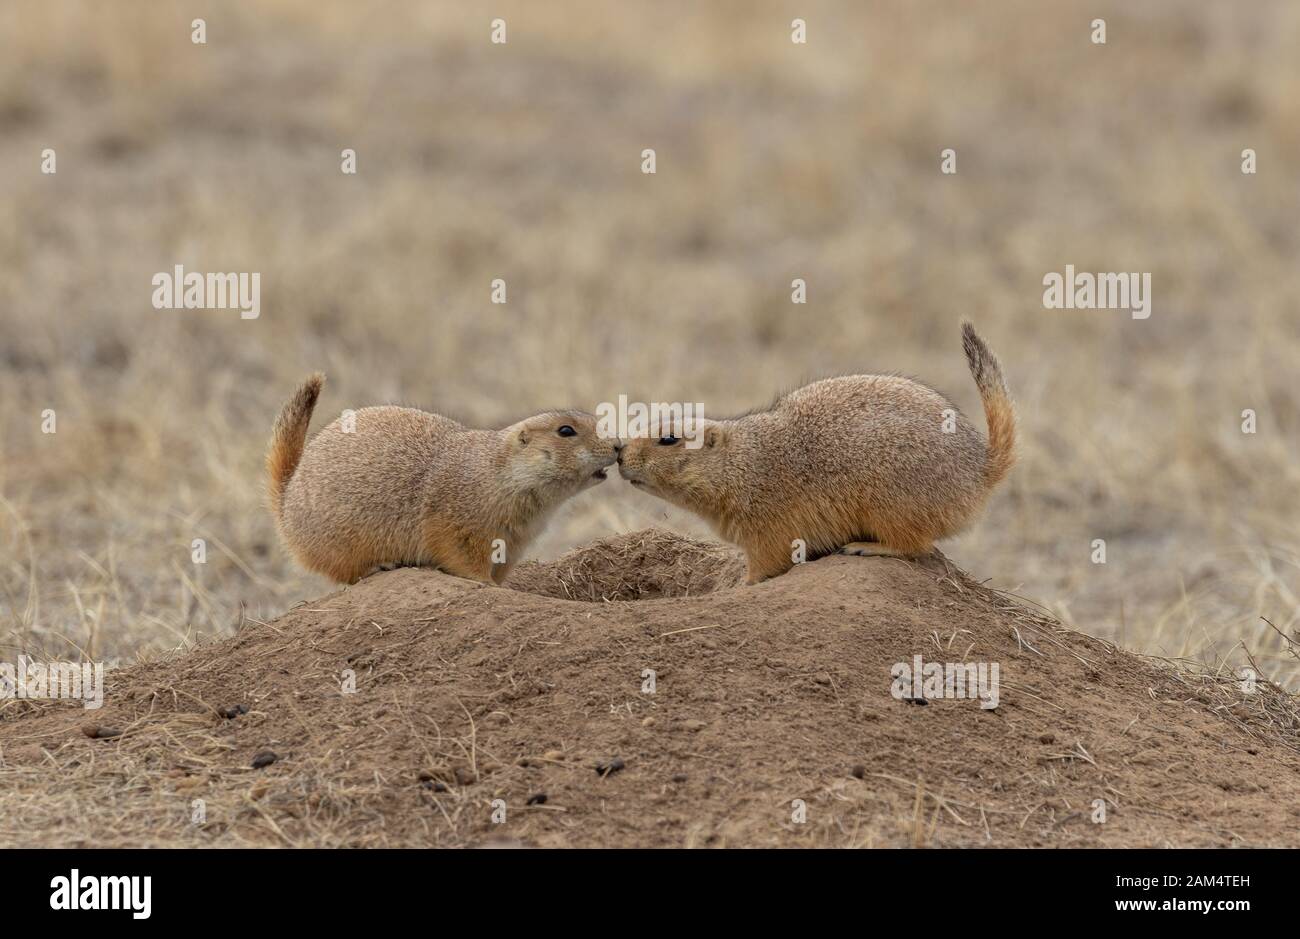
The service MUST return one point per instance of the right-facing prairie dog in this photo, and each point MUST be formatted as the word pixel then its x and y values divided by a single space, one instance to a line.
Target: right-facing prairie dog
pixel 400 486
pixel 866 464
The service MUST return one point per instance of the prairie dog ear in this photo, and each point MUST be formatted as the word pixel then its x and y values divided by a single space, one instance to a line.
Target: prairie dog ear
pixel 522 436
pixel 714 435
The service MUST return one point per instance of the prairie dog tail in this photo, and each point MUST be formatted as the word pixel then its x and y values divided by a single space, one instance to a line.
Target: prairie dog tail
pixel 288 437
pixel 999 412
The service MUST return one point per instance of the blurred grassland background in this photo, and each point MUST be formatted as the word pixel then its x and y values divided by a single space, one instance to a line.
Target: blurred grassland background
pixel 522 161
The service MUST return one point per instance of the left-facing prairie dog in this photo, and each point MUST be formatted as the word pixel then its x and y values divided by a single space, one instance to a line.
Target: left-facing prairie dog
pixel 867 464
pixel 400 486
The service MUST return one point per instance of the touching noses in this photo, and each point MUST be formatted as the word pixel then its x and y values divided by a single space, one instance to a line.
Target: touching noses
pixel 618 449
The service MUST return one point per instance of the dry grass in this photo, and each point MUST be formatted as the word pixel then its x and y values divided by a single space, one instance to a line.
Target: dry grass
pixel 646 565
pixel 521 161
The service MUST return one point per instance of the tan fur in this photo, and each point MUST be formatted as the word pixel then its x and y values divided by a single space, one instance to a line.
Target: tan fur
pixel 863 458
pixel 406 487
pixel 287 439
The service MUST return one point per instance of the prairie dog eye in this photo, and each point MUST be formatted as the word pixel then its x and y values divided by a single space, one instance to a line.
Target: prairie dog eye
pixel 566 431
pixel 667 440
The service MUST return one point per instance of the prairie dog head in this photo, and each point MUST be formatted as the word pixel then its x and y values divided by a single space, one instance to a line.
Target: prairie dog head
pixel 663 465
pixel 558 451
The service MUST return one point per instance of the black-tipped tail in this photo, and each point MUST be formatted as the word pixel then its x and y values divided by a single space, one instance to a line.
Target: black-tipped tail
pixel 999 411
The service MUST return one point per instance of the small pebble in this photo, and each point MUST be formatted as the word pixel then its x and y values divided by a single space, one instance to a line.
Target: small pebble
pixel 265 758
pixel 537 798
pixel 859 771
pixel 99 732
pixel 613 766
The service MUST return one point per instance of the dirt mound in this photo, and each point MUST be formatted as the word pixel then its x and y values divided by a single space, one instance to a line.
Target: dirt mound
pixel 645 565
pixel 483 715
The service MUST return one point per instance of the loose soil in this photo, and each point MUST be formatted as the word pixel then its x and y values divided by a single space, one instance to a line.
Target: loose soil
pixel 635 693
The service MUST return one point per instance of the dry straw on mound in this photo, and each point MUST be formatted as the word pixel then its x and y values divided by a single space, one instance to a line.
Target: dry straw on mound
pixel 486 715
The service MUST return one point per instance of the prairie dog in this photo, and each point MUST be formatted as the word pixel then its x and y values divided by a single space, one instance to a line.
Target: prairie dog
pixel 867 464
pixel 406 487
